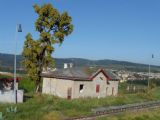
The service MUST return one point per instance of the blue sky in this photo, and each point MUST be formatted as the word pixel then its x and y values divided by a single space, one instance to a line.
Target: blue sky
pixel 126 30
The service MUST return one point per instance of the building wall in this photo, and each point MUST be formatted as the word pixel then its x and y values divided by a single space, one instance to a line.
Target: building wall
pixel 112 88
pixel 89 89
pixel 59 87
pixel 9 96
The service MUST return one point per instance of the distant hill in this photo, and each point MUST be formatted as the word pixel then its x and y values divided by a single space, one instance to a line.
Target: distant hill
pixel 7 63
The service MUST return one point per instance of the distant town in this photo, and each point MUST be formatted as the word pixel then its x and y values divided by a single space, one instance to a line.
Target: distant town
pixel 128 75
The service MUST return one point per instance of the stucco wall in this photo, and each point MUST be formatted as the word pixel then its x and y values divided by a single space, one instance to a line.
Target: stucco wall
pixel 106 87
pixel 89 89
pixel 9 96
pixel 57 87
pixel 112 88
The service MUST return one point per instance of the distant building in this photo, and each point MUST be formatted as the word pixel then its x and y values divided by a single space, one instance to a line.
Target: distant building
pixel 73 83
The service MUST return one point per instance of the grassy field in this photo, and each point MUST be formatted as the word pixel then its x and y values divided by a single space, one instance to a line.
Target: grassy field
pixel 45 107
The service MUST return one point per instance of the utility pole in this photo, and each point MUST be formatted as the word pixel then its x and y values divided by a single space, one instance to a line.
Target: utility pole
pixel 149 72
pixel 18 29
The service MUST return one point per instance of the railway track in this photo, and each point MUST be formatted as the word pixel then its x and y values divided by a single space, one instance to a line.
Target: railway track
pixel 104 111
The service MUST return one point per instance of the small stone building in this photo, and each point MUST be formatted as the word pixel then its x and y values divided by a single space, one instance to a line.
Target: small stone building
pixel 73 83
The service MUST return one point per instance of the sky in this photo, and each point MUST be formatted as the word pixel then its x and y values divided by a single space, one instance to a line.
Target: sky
pixel 125 30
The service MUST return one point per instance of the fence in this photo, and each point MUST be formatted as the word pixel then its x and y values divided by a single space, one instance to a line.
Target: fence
pixel 135 89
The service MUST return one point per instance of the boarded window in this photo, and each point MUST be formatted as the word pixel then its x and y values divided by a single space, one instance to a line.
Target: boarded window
pixel 97 88
pixel 81 87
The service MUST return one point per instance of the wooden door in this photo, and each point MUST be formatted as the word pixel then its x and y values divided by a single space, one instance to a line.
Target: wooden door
pixel 69 93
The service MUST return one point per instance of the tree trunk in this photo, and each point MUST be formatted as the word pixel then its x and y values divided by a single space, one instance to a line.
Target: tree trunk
pixel 38 89
pixel 38 85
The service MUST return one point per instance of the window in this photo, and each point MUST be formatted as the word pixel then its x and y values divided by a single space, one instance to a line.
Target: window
pixel 101 78
pixel 107 82
pixel 97 88
pixel 81 87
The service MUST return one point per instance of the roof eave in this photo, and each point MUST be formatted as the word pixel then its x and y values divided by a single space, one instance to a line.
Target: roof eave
pixel 68 78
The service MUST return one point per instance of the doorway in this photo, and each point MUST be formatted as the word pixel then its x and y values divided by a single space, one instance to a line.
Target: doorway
pixel 106 91
pixel 69 93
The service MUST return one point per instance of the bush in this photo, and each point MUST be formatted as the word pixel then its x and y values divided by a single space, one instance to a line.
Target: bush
pixel 26 84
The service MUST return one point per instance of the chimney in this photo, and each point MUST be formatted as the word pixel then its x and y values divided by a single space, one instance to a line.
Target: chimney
pixel 71 65
pixel 65 65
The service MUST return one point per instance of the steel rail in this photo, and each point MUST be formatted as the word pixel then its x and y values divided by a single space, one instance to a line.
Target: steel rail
pixel 110 110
